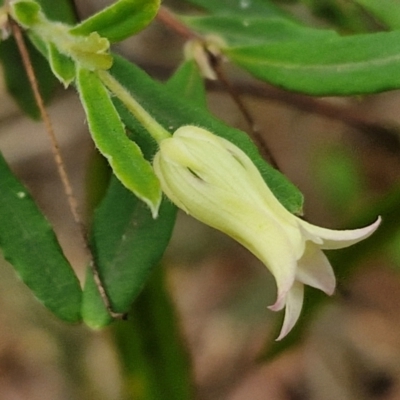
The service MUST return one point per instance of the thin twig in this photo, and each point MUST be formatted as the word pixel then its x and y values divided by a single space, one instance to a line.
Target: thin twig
pixel 72 202
pixel 55 148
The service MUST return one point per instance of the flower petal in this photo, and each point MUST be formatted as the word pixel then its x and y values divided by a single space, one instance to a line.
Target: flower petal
pixel 314 269
pixel 337 239
pixel 294 303
pixel 268 241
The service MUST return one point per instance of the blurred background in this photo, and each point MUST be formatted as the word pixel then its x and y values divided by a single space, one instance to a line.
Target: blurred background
pixel 342 153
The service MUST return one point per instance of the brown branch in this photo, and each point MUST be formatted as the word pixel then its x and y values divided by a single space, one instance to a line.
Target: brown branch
pixel 383 134
pixel 72 202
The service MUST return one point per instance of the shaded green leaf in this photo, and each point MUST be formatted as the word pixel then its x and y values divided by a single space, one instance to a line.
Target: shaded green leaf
pixel 344 15
pixel 156 364
pixel 108 132
pixel 172 111
pixel 127 243
pixel 188 83
pixel 329 66
pixel 30 245
pixel 386 11
pixel 17 82
pixel 246 30
pixel 63 12
pixel 120 20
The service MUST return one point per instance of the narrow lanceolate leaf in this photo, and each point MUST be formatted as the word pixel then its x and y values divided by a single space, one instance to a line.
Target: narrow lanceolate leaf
pixel 386 11
pixel 188 83
pixel 121 20
pixel 108 132
pixel 173 111
pixel 329 66
pixel 30 245
pixel 127 243
pixel 254 29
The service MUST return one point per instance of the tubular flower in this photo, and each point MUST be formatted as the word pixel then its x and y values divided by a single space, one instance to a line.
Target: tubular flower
pixel 217 183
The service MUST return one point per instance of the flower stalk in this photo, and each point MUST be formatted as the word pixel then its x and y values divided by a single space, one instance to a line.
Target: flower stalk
pixel 157 131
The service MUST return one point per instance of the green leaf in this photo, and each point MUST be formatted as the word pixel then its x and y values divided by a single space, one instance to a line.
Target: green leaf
pixel 155 362
pixel 121 20
pixel 108 132
pixel 17 82
pixel 27 12
pixel 63 12
pixel 246 30
pixel 348 65
pixel 30 245
pixel 188 83
pixel 344 15
pixel 387 11
pixel 127 243
pixel 241 7
pixel 61 65
pixel 173 111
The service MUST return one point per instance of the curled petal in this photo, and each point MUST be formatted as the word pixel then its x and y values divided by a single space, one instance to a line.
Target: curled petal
pixel 335 239
pixel 294 303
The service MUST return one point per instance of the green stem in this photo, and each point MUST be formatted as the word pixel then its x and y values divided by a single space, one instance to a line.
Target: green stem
pixel 157 131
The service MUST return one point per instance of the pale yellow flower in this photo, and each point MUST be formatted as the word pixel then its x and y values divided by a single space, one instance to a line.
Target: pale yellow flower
pixel 217 183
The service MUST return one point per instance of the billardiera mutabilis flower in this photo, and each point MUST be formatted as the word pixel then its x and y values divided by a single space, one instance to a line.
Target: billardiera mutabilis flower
pixel 217 183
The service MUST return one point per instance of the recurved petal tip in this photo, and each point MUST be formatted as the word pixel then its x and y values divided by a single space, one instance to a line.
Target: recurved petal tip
pixel 338 239
pixel 279 303
pixel 294 304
